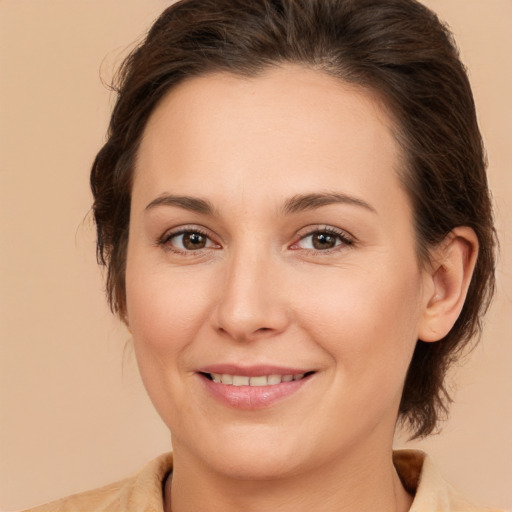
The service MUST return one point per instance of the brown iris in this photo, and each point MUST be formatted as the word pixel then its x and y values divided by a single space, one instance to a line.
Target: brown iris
pixel 322 241
pixel 194 241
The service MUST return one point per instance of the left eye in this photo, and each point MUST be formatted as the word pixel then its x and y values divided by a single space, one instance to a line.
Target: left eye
pixel 322 241
pixel 189 241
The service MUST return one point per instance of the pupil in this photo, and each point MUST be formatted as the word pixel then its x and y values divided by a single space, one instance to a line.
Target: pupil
pixel 323 241
pixel 194 241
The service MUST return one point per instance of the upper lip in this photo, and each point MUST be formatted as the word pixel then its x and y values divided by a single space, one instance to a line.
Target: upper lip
pixel 253 370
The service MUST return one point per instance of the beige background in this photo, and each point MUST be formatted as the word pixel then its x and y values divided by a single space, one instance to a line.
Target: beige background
pixel 73 412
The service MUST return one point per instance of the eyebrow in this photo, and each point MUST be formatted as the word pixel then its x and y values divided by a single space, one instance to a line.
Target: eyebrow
pixel 193 204
pixel 304 202
pixel 297 203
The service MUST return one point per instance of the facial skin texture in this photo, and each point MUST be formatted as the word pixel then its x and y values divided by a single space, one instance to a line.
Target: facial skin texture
pixel 259 293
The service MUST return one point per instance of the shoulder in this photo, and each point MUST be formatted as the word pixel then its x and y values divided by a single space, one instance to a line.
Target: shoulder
pixel 141 493
pixel 421 477
pixel 97 500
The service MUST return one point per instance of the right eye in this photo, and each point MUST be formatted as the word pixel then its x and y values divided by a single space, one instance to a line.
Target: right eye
pixel 188 241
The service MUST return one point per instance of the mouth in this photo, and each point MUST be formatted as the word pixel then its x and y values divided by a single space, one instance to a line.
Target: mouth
pixel 256 380
pixel 253 388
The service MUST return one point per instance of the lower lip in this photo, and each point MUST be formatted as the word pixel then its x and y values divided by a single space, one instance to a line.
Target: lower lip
pixel 252 397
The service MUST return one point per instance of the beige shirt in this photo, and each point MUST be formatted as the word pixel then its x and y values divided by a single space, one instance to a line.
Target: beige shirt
pixel 143 492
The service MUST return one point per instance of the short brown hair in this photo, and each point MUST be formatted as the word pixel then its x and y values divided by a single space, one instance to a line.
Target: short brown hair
pixel 397 48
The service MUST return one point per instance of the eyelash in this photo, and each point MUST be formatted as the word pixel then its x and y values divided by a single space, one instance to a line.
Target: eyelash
pixel 345 239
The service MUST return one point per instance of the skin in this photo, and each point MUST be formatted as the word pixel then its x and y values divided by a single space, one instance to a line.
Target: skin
pixel 258 291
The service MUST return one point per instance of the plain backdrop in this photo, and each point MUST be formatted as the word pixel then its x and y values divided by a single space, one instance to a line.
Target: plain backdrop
pixel 73 412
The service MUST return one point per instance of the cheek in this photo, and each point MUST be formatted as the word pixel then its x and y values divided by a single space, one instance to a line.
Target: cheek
pixel 368 321
pixel 165 314
pixel 164 309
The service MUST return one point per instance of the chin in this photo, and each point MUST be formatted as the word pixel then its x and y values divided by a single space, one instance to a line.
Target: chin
pixel 258 467
pixel 250 456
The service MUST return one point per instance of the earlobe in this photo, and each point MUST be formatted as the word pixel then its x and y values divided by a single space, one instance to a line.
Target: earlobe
pixel 449 276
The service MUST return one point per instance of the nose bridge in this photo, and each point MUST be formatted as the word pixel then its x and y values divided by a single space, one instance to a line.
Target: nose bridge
pixel 249 304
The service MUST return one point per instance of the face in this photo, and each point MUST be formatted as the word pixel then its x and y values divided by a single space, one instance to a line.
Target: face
pixel 273 289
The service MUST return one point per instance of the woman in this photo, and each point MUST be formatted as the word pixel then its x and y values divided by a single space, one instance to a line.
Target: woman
pixel 293 212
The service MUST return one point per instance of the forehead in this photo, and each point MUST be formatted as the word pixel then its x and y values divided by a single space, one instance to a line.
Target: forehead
pixel 289 127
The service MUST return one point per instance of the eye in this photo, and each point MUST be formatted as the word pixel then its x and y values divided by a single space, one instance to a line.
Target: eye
pixel 323 240
pixel 187 241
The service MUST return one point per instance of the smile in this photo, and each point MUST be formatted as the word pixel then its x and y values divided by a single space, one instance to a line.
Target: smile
pixel 252 388
pixel 258 380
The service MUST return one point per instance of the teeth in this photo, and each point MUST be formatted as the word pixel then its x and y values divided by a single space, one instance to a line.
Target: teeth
pixel 260 380
pixel 239 380
pixel 274 379
pixel 226 379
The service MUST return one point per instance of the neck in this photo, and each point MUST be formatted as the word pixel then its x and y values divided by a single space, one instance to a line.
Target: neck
pixel 367 484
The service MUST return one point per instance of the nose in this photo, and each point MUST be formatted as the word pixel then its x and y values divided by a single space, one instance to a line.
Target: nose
pixel 252 298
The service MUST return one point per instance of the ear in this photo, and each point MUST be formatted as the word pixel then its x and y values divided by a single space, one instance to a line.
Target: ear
pixel 446 282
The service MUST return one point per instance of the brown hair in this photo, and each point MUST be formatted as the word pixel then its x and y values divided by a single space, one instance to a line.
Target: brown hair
pixel 397 48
